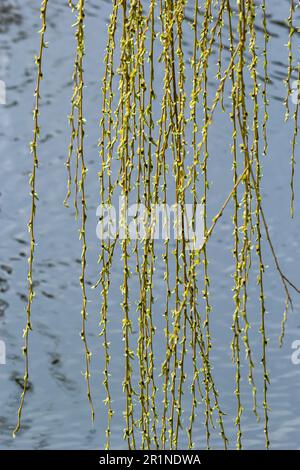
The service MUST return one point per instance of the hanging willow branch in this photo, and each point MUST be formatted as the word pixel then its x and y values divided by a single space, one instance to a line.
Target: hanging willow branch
pixel 76 150
pixel 34 197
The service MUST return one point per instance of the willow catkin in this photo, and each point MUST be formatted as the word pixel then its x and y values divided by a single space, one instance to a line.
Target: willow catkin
pixel 34 197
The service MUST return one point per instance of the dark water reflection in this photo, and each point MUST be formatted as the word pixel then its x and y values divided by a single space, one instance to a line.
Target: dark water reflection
pixel 56 414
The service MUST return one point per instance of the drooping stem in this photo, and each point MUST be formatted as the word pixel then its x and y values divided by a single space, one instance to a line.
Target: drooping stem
pixel 34 197
pixel 81 188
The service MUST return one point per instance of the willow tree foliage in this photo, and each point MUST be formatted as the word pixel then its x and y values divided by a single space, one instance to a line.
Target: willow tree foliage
pixel 154 147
